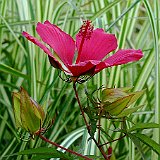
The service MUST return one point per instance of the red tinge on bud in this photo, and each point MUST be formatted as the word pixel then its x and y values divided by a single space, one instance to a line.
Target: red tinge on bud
pixel 109 152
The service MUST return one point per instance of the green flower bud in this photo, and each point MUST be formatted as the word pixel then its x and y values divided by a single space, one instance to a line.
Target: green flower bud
pixel 29 115
pixel 116 101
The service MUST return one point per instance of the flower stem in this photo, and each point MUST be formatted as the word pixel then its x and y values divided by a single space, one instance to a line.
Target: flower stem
pixel 67 150
pixel 81 108
pixel 87 125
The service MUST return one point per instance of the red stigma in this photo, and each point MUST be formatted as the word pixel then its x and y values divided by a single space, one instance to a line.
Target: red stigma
pixel 86 29
pixel 85 32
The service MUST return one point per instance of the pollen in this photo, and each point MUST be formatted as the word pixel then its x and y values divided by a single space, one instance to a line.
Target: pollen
pixel 86 29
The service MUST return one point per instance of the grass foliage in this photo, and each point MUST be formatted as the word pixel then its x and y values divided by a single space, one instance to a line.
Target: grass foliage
pixel 136 24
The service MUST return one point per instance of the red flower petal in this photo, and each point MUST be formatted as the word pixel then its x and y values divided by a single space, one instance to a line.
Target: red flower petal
pixel 62 43
pixel 43 47
pixel 98 46
pixel 83 68
pixel 120 57
pixel 124 56
pixel 101 66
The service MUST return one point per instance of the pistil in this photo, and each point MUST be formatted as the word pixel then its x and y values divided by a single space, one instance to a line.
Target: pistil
pixel 85 32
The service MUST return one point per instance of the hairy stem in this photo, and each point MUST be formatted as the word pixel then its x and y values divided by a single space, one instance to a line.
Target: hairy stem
pixel 67 150
pixel 87 125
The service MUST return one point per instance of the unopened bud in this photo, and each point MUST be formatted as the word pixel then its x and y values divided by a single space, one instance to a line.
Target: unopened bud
pixel 116 101
pixel 29 115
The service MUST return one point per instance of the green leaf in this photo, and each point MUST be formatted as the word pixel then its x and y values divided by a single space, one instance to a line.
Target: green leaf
pixel 141 126
pixel 91 98
pixel 46 152
pixel 128 111
pixel 92 114
pixel 149 142
pixel 137 143
pixel 94 157
pixel 123 14
pixel 104 10
pixel 118 106
pixel 39 157
pixel 93 127
pixel 12 71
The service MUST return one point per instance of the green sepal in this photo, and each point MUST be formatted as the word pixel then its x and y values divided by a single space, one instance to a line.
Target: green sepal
pixel 112 94
pixel 16 109
pixel 136 96
pixel 118 106
pixel 128 111
pixel 32 115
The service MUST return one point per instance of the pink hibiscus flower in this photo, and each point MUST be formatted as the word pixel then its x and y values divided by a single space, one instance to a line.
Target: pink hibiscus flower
pixel 84 56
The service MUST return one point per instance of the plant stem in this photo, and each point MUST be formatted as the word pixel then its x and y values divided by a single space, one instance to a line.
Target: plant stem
pixel 99 131
pixel 113 140
pixel 99 126
pixel 80 106
pixel 67 150
pixel 87 125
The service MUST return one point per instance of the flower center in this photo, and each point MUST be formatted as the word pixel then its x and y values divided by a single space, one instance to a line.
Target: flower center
pixel 85 32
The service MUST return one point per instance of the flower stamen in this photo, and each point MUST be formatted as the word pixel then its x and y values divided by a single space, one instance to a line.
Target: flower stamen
pixel 85 32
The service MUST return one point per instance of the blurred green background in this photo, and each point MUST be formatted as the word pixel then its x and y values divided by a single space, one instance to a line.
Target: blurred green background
pixel 136 24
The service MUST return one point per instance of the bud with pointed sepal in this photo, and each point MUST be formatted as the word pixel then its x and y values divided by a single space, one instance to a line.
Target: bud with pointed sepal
pixel 29 115
pixel 116 101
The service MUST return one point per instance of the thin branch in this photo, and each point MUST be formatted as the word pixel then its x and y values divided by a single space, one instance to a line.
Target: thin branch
pixel 86 123
pixel 67 150
pixel 113 140
pixel 99 127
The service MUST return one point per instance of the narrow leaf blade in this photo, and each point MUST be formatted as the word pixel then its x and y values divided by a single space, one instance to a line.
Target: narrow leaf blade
pixel 142 126
pixel 149 142
pixel 45 151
